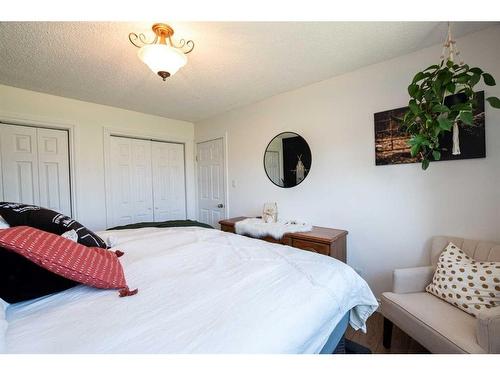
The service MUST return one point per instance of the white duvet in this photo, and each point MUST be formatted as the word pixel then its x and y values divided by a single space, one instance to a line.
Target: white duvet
pixel 200 291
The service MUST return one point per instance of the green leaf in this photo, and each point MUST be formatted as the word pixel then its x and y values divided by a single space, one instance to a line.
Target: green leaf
pixel 409 116
pixel 474 79
pixel 412 90
pixel 414 150
pixel 428 95
pixel 418 77
pixel 436 155
pixel 445 123
pixel 450 87
pixel 414 107
pixel 466 117
pixel 419 94
pixel 425 164
pixel 440 108
pixel 476 71
pixel 449 63
pixel 416 139
pixel 494 101
pixel 461 107
pixel 436 87
pixel 445 76
pixel 488 79
pixel 432 67
pixel 416 143
pixel 462 78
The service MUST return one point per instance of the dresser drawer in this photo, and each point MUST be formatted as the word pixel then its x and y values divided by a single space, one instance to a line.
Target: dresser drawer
pixel 227 228
pixel 316 247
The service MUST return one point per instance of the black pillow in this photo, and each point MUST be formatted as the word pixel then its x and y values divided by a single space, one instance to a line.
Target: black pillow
pixel 22 280
pixel 16 214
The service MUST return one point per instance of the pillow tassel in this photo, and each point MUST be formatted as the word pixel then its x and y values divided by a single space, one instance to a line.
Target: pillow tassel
pixel 125 292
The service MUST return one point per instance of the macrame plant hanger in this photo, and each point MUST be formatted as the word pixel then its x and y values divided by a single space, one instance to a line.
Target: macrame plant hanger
pixel 450 51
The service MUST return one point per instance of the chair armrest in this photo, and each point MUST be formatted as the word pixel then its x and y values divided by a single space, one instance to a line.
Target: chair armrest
pixel 412 280
pixel 488 330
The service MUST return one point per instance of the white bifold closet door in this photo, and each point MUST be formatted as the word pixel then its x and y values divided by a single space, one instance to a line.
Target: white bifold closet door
pixel 131 181
pixel 169 190
pixel 35 167
pixel 147 181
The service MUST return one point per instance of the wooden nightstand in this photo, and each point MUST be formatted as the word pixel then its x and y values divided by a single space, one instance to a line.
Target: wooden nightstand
pixel 326 241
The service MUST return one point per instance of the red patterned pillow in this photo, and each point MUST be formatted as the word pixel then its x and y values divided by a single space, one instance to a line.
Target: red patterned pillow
pixel 92 266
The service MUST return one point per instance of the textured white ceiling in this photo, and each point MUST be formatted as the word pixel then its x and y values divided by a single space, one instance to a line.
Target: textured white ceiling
pixel 233 63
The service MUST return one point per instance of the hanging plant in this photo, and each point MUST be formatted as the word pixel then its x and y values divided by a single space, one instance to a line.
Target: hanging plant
pixel 429 116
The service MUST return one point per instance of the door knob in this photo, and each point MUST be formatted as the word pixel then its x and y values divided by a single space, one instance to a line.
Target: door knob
pixel 220 205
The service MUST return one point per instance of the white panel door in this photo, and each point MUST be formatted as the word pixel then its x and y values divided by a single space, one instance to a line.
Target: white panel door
pixel 53 170
pixel 131 196
pixel 120 198
pixel 169 190
pixel 211 192
pixel 142 180
pixel 19 164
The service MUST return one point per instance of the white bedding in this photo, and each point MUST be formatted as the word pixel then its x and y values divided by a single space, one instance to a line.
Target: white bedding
pixel 3 324
pixel 200 291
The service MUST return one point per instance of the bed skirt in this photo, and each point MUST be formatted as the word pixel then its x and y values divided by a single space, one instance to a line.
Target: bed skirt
pixel 336 341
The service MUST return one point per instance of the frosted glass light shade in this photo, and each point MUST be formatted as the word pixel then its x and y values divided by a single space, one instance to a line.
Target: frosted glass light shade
pixel 162 58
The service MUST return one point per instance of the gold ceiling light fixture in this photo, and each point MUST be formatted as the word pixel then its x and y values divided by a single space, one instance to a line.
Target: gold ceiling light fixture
pixel 162 55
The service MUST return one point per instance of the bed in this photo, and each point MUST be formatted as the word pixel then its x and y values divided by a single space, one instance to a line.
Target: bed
pixel 200 291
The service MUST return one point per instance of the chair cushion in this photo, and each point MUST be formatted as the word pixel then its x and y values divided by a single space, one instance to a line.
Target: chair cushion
pixel 437 325
pixel 470 285
pixel 478 250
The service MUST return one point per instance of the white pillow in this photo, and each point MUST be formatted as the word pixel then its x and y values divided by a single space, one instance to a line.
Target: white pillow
pixel 472 286
pixel 3 223
pixel 3 325
pixel 111 241
pixel 70 235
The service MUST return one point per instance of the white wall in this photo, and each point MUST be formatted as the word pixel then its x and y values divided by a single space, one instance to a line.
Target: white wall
pixel 89 121
pixel 389 211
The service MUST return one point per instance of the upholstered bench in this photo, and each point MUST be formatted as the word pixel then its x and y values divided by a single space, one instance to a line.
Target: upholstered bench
pixel 437 325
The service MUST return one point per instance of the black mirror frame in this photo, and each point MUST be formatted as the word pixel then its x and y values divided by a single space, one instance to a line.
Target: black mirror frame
pixel 264 159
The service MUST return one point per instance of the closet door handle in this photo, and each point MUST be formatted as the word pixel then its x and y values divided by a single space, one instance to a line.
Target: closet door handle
pixel 220 205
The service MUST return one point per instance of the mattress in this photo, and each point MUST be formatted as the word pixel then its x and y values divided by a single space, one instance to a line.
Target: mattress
pixel 200 291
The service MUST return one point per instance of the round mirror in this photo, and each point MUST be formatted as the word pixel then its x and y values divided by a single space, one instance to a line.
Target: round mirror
pixel 287 160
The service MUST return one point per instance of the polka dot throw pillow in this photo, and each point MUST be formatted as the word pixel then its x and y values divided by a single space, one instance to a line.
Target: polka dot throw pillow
pixel 470 285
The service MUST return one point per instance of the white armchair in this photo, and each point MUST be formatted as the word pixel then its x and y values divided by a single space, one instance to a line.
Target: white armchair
pixel 434 323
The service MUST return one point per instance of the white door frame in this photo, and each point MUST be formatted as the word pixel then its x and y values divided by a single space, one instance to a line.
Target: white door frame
pixel 42 122
pixel 225 168
pixel 109 132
